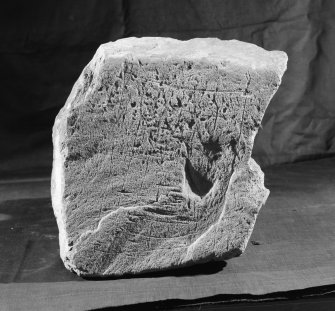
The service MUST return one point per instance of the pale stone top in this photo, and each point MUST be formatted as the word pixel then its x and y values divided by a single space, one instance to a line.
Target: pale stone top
pixel 210 49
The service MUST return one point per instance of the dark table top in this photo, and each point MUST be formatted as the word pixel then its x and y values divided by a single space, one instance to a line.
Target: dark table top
pixel 291 252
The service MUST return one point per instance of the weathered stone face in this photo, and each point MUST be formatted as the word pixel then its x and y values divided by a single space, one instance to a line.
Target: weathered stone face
pixel 152 154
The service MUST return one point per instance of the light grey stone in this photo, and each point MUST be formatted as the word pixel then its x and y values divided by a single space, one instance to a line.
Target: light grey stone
pixel 152 154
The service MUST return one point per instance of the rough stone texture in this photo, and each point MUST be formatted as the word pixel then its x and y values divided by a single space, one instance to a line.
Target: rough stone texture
pixel 152 154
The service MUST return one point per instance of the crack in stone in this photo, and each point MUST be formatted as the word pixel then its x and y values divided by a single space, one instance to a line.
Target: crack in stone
pixel 97 229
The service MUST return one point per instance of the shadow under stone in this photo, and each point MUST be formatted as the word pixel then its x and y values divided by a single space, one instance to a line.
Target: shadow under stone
pixel 207 268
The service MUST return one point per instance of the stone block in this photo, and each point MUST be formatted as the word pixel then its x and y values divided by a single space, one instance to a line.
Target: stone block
pixel 152 164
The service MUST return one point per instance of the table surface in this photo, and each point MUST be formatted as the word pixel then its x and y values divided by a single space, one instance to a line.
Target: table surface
pixel 291 251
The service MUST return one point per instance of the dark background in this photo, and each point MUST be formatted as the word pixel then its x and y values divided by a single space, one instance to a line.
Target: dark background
pixel 44 45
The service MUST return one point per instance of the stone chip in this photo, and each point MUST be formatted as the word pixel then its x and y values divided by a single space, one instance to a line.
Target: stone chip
pixel 152 164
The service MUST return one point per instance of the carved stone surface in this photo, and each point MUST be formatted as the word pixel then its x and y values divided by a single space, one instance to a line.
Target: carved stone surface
pixel 152 154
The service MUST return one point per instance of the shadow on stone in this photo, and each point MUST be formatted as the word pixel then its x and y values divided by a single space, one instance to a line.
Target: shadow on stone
pixel 198 183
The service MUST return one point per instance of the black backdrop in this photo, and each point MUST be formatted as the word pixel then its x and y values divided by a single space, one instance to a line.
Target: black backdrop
pixel 44 45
